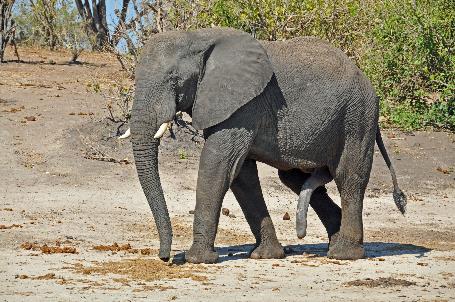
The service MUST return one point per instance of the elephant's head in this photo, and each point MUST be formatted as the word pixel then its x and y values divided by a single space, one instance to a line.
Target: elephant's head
pixel 209 74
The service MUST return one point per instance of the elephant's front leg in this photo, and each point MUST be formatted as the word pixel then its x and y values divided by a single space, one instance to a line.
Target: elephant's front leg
pixel 247 189
pixel 222 156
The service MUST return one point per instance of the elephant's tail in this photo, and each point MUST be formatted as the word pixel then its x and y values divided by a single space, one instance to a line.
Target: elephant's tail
pixel 398 195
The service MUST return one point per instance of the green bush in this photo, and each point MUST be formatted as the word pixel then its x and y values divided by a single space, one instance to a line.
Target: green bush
pixel 411 62
pixel 405 47
pixel 342 23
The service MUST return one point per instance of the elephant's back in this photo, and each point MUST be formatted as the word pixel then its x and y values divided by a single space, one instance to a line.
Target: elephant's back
pixel 311 70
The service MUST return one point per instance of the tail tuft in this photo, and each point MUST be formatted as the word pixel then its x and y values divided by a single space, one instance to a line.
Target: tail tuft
pixel 400 200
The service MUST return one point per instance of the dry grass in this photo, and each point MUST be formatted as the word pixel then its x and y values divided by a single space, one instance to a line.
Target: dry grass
pixel 380 282
pixel 45 249
pixel 144 269
pixel 6 227
pixel 115 247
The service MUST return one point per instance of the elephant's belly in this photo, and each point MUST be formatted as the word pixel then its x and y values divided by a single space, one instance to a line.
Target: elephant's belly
pixel 271 155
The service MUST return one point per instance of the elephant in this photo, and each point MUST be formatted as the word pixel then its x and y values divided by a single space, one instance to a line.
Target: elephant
pixel 300 106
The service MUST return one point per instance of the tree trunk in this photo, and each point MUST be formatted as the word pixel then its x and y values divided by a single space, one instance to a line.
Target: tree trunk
pixel 6 28
pixel 96 22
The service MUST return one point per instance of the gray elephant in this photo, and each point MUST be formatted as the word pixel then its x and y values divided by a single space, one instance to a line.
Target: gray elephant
pixel 299 106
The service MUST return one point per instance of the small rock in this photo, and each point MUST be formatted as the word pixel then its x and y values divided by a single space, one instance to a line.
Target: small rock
pixel 225 211
pixel 230 254
pixel 30 118
pixel 191 212
pixel 286 216
pixel 231 216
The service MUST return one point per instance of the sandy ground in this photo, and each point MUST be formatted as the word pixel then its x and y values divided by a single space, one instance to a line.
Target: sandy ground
pixel 76 228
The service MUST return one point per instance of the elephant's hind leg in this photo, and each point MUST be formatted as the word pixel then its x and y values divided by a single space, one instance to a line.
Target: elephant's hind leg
pixel 352 179
pixel 247 189
pixel 328 212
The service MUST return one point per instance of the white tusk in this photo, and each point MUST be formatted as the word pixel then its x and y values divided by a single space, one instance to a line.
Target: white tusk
pixel 126 134
pixel 161 130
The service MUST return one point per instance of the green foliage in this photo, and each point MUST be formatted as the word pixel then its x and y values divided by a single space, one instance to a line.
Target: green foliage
pixel 411 62
pixel 405 47
pixel 182 154
pixel 338 22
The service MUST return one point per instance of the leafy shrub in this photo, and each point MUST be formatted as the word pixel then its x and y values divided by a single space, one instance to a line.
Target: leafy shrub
pixel 405 47
pixel 342 22
pixel 411 62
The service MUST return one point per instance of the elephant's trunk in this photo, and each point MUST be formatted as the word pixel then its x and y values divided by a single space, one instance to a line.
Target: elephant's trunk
pixel 145 149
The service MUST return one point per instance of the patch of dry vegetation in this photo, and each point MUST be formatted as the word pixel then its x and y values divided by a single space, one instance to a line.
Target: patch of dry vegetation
pixel 45 249
pixel 115 247
pixel 144 269
pixel 380 282
pixel 49 276
pixel 6 227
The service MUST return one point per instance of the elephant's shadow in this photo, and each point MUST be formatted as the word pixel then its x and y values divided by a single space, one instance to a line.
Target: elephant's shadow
pixel 372 250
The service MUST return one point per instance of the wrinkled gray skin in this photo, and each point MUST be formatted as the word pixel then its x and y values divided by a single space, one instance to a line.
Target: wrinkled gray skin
pixel 298 106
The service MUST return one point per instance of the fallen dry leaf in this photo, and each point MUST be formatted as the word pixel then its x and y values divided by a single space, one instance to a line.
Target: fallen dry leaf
pixel 443 170
pixel 30 118
pixel 14 110
pixel 6 227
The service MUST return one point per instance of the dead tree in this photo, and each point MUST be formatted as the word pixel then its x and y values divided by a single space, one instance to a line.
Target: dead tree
pixel 94 16
pixel 121 25
pixel 6 25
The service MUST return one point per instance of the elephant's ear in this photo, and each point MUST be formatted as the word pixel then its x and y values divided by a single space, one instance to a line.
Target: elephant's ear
pixel 235 69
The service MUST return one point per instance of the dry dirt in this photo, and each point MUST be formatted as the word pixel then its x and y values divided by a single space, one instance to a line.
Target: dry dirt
pixel 76 228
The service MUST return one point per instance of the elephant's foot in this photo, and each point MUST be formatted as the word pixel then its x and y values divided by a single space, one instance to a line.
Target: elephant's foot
pixel 198 255
pixel 268 251
pixel 344 249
